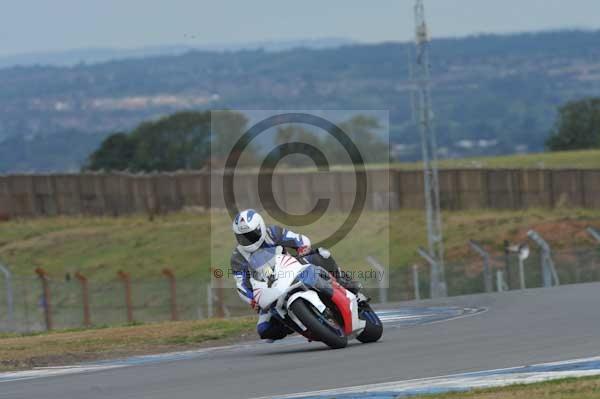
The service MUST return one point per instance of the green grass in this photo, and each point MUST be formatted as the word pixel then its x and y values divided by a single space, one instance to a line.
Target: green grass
pixel 571 388
pixel 99 247
pixel 582 159
pixel 75 345
pixel 588 159
pixel 191 243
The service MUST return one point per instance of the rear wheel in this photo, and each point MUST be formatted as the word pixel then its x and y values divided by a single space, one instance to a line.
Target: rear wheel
pixel 373 328
pixel 323 328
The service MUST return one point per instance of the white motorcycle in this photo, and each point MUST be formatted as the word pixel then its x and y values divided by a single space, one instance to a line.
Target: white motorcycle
pixel 309 300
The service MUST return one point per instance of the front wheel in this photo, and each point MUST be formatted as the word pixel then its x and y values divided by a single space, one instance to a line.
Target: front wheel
pixel 322 328
pixel 373 328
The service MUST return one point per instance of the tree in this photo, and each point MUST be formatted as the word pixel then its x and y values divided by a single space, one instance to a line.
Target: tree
pixel 578 126
pixel 179 141
pixel 227 127
pixel 115 153
pixel 362 131
pixel 183 140
pixel 297 135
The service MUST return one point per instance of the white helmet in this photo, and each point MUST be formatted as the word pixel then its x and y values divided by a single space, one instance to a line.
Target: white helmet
pixel 249 229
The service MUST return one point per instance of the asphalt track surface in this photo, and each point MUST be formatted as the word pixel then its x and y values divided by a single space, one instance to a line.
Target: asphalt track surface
pixel 517 328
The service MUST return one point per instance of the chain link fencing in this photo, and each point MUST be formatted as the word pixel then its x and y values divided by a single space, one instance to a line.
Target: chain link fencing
pixel 62 305
pixel 467 277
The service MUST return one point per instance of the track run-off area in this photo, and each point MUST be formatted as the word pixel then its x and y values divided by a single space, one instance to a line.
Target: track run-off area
pixel 428 346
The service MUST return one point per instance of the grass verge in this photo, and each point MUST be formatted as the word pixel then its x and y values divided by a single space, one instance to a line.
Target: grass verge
pixel 585 159
pixel 71 346
pixel 571 388
pixel 579 159
pixel 99 247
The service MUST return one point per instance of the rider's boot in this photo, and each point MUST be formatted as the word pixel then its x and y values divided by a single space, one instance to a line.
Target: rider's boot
pixel 271 329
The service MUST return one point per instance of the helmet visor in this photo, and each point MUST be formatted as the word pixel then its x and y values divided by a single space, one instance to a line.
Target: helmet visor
pixel 250 237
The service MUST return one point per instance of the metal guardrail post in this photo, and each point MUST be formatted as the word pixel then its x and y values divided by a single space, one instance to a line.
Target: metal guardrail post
pixel 10 304
pixel 500 283
pixel 47 304
pixel 209 301
pixel 85 296
pixel 217 285
pixel 416 287
pixel 126 279
pixel 523 254
pixel 437 288
pixel 594 233
pixel 522 273
pixel 376 265
pixel 507 263
pixel 549 275
pixel 168 273
pixel 487 272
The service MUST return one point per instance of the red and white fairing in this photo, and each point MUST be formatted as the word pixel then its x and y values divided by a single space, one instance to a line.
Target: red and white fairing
pixel 285 270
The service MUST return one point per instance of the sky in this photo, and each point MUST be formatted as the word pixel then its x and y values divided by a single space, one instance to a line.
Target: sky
pixel 30 26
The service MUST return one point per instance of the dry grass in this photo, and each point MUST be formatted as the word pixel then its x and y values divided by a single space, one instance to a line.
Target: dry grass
pixel 581 388
pixel 67 347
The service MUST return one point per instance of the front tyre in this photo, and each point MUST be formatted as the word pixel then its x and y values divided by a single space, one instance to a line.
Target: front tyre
pixel 318 325
pixel 373 327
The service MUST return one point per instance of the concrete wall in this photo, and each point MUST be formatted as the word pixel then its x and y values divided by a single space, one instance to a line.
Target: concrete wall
pixel 119 193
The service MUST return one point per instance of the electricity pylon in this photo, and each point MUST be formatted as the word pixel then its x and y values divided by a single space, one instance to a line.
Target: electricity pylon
pixel 429 148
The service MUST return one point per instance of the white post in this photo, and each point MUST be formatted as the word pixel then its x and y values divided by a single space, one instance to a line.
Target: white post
pixel 522 272
pixel 553 270
pixel 417 288
pixel 9 296
pixel 500 284
pixel 380 269
pixel 209 300
pixel 487 273
pixel 434 284
pixel 522 252
pixel 548 269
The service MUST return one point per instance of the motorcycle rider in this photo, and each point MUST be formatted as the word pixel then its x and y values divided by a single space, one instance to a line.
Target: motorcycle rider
pixel 252 233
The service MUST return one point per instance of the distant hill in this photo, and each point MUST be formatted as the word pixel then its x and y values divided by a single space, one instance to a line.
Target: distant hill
pixel 492 94
pixel 100 54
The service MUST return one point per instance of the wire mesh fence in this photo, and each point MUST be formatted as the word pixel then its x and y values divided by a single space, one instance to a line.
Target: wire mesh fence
pixel 466 277
pixel 41 303
pixel 62 304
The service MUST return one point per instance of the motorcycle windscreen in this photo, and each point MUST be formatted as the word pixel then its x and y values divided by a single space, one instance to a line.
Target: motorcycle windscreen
pixel 262 263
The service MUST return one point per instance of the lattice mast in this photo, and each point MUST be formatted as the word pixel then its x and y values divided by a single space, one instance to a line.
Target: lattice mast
pixel 429 148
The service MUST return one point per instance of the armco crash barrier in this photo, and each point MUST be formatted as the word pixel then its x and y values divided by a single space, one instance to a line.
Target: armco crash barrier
pixel 114 194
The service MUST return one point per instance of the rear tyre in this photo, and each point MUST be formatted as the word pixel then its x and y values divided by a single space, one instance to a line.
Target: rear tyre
pixel 373 328
pixel 318 325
